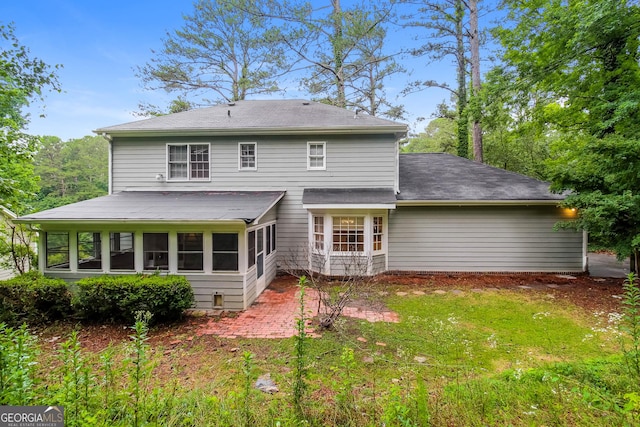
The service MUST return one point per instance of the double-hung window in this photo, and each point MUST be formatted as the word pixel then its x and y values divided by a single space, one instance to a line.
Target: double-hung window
pixel 188 162
pixel 247 156
pixel 316 156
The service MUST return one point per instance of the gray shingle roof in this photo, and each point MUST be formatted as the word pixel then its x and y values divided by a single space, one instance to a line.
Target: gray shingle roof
pixel 259 116
pixel 164 206
pixel 348 196
pixel 444 177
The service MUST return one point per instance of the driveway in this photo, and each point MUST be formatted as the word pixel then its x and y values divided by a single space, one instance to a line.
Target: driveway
pixel 606 265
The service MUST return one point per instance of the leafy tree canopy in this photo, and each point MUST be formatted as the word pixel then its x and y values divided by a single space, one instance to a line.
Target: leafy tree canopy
pixel 71 171
pixel 581 57
pixel 22 80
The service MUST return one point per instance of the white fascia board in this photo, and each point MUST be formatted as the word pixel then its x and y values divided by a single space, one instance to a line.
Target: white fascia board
pixel 350 206
pixel 478 202
pixel 257 220
pixel 253 131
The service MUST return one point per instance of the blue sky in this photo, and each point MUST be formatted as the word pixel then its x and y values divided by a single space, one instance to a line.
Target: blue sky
pixel 100 43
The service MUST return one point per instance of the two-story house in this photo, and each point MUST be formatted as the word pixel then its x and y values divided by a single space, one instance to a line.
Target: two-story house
pixel 226 195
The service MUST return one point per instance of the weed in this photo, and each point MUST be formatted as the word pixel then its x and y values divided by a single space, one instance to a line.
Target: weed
pixel 300 352
pixel 18 353
pixel 631 323
pixel 248 366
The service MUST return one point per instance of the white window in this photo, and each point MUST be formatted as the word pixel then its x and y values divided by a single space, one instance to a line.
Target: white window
pixel 247 156
pixel 186 162
pixel 225 252
pixel 378 231
pixel 156 251
pixel 348 234
pixel 316 156
pixel 190 251
pixel 318 233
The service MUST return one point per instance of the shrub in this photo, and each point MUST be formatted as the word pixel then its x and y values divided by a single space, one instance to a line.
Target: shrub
pixel 119 298
pixel 34 299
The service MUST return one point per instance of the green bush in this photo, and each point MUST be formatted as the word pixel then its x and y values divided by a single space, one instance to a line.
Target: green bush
pixel 34 299
pixel 119 298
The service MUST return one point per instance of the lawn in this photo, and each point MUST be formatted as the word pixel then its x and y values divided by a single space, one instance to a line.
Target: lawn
pixel 477 357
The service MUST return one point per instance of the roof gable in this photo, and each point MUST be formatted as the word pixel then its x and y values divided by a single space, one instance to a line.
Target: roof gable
pixel 445 177
pixel 260 116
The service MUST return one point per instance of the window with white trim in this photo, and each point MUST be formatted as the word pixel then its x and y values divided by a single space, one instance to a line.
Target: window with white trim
pixel 122 251
pixel 378 231
pixel 156 251
pixel 318 233
pixel 89 251
pixel 57 250
pixel 316 156
pixel 190 251
pixel 225 251
pixel 348 234
pixel 247 156
pixel 188 162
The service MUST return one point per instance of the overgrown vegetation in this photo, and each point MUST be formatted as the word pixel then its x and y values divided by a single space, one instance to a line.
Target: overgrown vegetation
pixel 496 358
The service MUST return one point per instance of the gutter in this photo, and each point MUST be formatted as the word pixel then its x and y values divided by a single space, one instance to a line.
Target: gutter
pixel 397 130
pixel 478 202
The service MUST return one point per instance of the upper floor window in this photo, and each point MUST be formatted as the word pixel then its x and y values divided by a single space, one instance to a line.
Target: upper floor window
pixel 316 156
pixel 247 156
pixel 188 161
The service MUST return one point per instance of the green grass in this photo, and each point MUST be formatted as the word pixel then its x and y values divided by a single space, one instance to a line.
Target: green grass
pixel 496 358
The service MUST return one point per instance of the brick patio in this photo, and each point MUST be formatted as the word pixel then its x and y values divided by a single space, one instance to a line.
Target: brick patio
pixel 275 312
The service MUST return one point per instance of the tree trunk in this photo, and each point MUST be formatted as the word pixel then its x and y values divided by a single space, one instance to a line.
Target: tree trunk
pixel 475 77
pixel 338 53
pixel 463 120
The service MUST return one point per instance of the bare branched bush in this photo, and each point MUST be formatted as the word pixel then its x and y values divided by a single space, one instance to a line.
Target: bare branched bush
pixel 348 276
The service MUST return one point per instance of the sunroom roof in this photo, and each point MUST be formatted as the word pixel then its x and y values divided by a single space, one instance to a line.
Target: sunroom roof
pixel 164 206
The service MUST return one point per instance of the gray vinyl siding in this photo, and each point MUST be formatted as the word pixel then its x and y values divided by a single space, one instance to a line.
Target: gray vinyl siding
pixel 482 239
pixel 229 285
pixel 351 161
pixel 379 264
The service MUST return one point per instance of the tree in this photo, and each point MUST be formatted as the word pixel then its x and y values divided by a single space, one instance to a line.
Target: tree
pixel 584 57
pixel 440 135
pixel 71 171
pixel 474 42
pixel 448 35
pixel 226 48
pixel 23 79
pixel 343 52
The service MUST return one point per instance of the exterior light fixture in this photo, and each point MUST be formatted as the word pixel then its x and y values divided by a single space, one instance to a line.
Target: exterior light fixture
pixel 159 177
